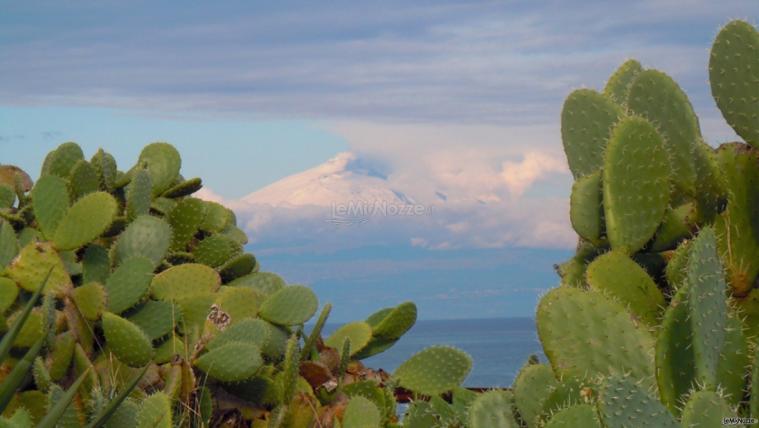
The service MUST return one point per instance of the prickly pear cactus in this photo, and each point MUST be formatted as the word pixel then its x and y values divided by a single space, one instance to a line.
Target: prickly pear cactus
pixel 145 295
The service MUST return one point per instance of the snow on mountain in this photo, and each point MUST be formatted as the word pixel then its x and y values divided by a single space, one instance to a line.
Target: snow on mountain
pixel 341 179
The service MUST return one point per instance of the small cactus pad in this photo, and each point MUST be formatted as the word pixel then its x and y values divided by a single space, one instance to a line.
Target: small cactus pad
pixel 531 389
pixel 626 404
pixel 90 300
pixel 237 266
pixel 248 330
pixel 291 305
pixel 361 413
pixel 61 355
pixel 733 66
pixel 216 219
pixel 105 166
pixel 359 333
pixel 129 284
pixel 618 86
pixel 50 200
pixel 706 409
pixel 155 412
pixel 579 415
pixel 619 277
pixel 61 160
pixel 127 341
pixel 185 220
pixel 87 219
pixel 586 122
pixel 396 322
pixel 156 318
pixel 677 266
pixel 657 97
pixel 146 236
pixel 678 224
pixel 215 250
pixel 635 184
pixel 163 163
pixel 184 281
pixel 675 362
pixel 83 179
pixel 265 283
pixel 231 362
pixel 736 227
pixel 32 265
pixel 492 409
pixel 434 370
pixel 138 195
pixel 585 207
pixel 185 188
pixel 584 334
pixel 708 305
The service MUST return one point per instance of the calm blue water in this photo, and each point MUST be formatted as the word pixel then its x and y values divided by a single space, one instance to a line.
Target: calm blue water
pixel 499 347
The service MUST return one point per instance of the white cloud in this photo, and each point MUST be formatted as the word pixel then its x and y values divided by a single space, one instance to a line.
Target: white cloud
pixel 534 166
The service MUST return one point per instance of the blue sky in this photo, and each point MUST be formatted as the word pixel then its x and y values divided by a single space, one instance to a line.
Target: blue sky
pixel 452 97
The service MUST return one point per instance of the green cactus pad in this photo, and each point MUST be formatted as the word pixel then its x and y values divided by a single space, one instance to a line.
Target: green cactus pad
pixel 155 412
pixel 105 166
pixel 96 264
pixel 706 409
pixel 586 122
pixel 531 389
pixel 86 220
pixel 129 284
pixel 185 221
pixel 585 207
pixel 163 206
pixel 61 355
pixel 359 333
pixel 675 362
pixel 291 305
pixel 737 227
pixel 194 310
pixel 83 179
pixel 61 160
pixel 165 352
pixel 656 97
pixel 579 415
pixel 733 65
pixel 7 196
pixel 146 236
pixel 163 163
pixel 215 250
pixel 249 330
pixel 72 416
pixel 677 266
pixel 187 187
pixel 184 281
pixel 231 362
pixel 50 201
pixel 31 331
pixel 90 300
pixel 216 219
pixel 635 184
pixel 156 318
pixel 265 283
pixel 708 305
pixel 138 195
pixel 8 294
pixel 32 265
pixel 434 370
pixel 734 359
pixel 711 192
pixel 678 224
pixel 395 323
pixel 619 277
pixel 585 334
pixel 9 245
pixel 237 267
pixel 361 413
pixel 492 409
pixel 127 341
pixel 623 403
pixel 238 303
pixel 618 87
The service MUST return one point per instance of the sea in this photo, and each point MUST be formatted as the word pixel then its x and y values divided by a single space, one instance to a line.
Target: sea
pixel 499 347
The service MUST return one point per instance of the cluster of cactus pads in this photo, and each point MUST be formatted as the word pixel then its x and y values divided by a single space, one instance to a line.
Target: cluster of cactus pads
pixel 125 301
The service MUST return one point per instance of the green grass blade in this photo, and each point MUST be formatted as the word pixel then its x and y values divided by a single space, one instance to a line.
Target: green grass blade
pixel 55 413
pixel 110 409
pixel 19 373
pixel 10 336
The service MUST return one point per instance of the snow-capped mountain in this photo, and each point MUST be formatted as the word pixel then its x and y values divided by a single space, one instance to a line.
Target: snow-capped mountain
pixel 341 179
